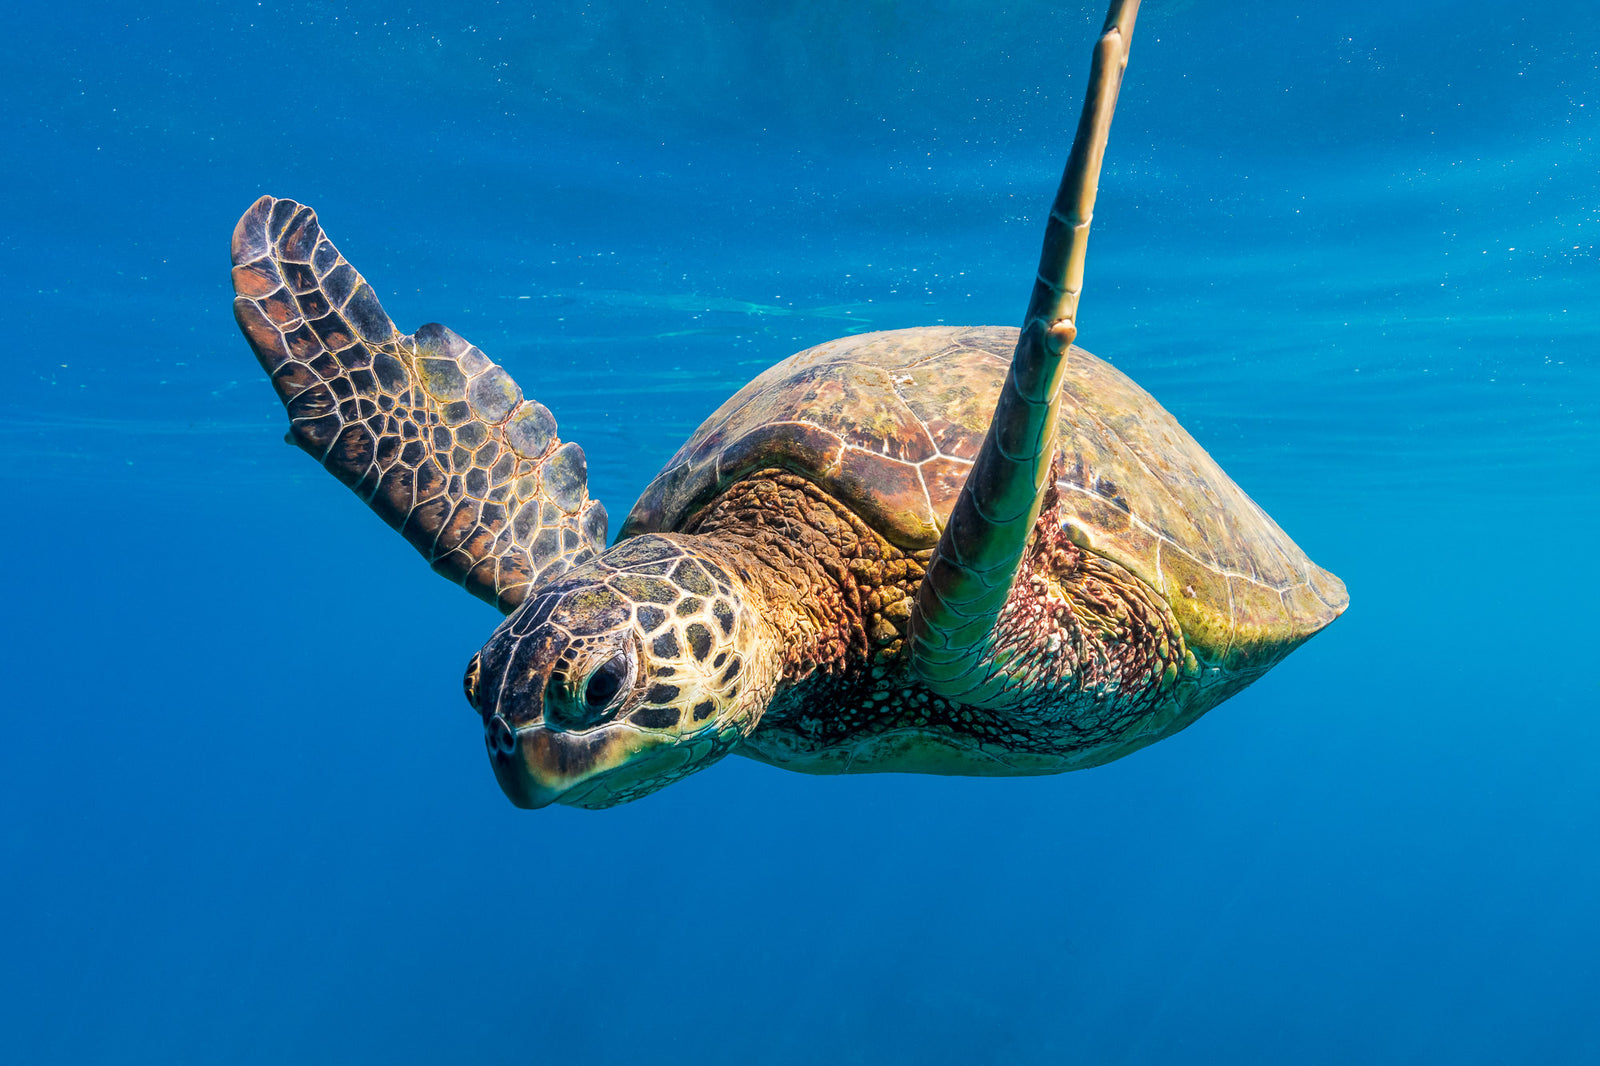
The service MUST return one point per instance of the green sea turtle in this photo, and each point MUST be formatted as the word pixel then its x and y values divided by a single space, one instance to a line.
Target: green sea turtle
pixel 944 550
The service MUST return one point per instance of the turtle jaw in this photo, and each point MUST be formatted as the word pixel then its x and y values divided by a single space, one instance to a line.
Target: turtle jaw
pixel 604 767
pixel 523 783
pixel 522 790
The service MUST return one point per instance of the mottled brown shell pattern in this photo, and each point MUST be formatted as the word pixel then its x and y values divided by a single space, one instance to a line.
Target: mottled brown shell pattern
pixel 889 423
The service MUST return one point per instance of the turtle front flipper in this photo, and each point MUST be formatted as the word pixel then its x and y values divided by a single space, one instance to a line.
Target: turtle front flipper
pixel 976 562
pixel 438 440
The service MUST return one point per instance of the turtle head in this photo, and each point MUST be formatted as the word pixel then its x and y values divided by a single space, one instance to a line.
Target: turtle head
pixel 623 675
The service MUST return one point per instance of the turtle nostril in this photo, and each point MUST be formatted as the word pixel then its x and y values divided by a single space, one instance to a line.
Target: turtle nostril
pixel 499 736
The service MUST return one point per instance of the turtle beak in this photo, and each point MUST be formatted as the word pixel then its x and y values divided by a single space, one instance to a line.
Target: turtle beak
pixel 522 783
pixel 537 766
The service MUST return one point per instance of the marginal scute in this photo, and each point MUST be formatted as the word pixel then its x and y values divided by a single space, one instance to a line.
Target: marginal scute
pixel 1302 602
pixel 1092 511
pixel 798 446
pixel 1256 640
pixel 1200 601
pixel 1329 590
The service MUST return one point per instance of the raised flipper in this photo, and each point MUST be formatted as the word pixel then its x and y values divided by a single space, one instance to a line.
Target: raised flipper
pixel 438 440
pixel 982 545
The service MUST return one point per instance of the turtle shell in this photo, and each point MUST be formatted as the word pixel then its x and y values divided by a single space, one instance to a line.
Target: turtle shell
pixel 889 424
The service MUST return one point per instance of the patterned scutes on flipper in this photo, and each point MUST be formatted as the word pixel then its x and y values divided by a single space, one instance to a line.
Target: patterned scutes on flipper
pixel 435 437
pixel 889 423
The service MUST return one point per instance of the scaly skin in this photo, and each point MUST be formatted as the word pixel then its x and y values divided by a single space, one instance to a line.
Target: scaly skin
pixel 1096 652
pixel 434 437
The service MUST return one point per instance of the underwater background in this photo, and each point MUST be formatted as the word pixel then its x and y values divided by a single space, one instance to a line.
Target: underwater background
pixel 245 813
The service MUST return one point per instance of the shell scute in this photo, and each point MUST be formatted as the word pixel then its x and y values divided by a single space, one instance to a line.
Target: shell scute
pixel 953 394
pixel 942 479
pixel 799 446
pixel 893 421
pixel 887 494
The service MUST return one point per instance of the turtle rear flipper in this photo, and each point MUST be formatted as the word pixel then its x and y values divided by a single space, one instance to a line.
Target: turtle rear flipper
pixel 976 562
pixel 438 440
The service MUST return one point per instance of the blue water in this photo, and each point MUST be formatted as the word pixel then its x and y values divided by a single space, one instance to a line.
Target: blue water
pixel 245 815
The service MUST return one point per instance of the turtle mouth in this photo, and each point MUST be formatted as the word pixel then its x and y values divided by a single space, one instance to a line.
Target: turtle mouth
pixel 537 766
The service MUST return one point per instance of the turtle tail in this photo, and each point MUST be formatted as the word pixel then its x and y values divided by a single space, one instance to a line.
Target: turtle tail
pixel 438 440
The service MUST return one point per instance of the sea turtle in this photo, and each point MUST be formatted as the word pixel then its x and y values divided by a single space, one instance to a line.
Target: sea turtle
pixel 943 550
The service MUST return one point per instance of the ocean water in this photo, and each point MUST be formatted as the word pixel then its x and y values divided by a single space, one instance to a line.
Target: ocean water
pixel 245 815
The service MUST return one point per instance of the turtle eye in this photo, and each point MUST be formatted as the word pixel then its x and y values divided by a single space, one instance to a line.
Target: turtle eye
pixel 585 704
pixel 606 681
pixel 469 681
